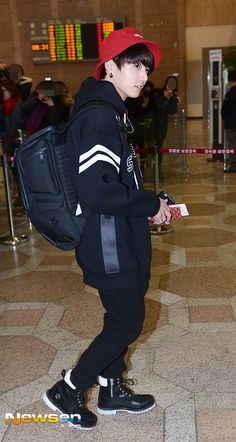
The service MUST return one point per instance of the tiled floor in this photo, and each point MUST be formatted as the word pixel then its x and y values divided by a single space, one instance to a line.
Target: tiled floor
pixel 186 355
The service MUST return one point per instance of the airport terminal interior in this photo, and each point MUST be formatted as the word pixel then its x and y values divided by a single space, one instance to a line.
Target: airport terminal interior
pixel 186 353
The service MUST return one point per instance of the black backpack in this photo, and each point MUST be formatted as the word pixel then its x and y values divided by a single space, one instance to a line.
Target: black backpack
pixel 47 191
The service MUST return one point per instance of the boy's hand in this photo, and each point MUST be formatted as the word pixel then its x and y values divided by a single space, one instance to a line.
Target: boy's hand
pixel 163 216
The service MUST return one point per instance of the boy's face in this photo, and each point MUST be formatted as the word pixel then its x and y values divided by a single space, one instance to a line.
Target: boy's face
pixel 129 80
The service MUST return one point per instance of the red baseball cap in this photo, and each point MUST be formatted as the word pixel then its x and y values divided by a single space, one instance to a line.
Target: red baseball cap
pixel 122 39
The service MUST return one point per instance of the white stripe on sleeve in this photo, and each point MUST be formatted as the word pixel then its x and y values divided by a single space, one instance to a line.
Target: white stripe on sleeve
pixel 98 157
pixel 101 148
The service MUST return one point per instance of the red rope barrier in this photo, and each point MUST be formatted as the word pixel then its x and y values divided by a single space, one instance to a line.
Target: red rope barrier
pixel 8 140
pixel 195 150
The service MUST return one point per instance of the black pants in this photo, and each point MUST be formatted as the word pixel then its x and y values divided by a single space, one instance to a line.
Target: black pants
pixel 123 323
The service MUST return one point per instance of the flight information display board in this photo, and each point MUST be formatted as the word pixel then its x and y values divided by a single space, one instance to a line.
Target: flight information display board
pixel 70 39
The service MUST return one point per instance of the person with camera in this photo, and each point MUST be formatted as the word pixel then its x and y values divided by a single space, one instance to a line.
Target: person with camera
pixel 15 73
pixel 46 106
pixel 2 78
pixel 14 88
pixel 166 102
pixel 141 113
pixel 115 248
pixel 10 99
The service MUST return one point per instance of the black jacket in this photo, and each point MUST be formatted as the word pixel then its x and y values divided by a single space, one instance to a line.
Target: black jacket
pixel 228 110
pixel 115 249
pixel 164 107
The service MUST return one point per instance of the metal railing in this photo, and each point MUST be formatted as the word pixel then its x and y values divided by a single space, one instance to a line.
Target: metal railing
pixel 13 239
pixel 153 162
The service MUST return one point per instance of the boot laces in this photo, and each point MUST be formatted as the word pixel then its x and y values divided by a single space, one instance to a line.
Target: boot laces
pixel 79 399
pixel 124 385
pixel 79 395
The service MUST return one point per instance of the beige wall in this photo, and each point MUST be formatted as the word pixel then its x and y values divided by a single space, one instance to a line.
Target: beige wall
pixel 209 24
pixel 210 12
pixel 160 20
pixel 198 38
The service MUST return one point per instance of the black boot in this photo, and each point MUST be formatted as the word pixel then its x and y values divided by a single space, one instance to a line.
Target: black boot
pixel 70 401
pixel 115 396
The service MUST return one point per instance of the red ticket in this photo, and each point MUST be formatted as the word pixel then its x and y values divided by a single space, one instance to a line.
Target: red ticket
pixel 175 212
pixel 178 210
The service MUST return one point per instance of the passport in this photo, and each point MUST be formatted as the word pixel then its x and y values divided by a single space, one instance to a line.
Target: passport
pixel 178 210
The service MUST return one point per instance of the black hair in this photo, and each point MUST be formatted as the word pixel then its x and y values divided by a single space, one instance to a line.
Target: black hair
pixel 138 53
pixel 232 75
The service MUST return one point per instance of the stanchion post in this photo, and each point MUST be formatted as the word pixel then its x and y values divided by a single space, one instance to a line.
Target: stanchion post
pixel 20 136
pixel 8 194
pixel 13 239
pixel 156 169
pixel 184 141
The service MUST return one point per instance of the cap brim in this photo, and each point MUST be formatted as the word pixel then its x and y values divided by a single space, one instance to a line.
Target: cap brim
pixel 98 71
pixel 156 51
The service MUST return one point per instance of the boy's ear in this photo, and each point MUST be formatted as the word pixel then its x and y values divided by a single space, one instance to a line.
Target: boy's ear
pixel 109 66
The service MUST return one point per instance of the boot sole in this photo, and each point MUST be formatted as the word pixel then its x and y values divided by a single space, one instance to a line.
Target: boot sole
pixel 53 407
pixel 114 411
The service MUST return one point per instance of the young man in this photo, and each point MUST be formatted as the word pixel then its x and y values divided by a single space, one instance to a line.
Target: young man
pixel 228 113
pixel 115 249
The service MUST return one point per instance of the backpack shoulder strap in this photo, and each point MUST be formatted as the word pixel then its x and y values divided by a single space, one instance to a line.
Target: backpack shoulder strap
pixel 98 103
